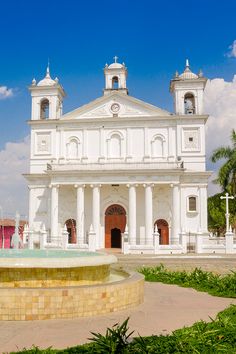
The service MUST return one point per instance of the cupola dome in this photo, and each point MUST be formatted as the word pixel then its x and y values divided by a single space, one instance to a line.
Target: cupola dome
pixel 47 81
pixel 188 74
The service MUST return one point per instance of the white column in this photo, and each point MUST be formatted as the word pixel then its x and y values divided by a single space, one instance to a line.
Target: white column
pixel 132 214
pixel 148 215
pixel 80 214
pixel 203 208
pixel 31 208
pixel 175 214
pixel 54 210
pixel 96 212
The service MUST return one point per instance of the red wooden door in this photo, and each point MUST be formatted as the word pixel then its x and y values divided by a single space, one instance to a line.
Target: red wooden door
pixel 163 229
pixel 115 218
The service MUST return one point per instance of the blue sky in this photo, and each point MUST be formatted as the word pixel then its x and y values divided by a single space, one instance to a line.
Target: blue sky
pixel 153 38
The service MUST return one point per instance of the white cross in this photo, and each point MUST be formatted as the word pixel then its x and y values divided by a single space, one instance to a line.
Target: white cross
pixel 227 197
pixel 115 58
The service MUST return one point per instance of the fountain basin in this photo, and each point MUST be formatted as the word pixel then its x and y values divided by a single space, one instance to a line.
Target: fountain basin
pixel 51 268
pixel 63 284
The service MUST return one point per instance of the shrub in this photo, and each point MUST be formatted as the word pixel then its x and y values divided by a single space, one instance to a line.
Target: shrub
pixel 115 341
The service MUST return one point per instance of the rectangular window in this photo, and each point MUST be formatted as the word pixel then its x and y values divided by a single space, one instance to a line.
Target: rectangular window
pixel 192 204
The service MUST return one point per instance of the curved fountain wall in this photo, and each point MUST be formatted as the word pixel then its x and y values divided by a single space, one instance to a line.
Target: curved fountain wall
pixel 51 288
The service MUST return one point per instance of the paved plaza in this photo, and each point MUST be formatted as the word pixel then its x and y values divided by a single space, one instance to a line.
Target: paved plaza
pixel 221 264
pixel 166 308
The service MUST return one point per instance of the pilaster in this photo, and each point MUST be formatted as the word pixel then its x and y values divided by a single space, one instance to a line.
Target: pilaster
pixel 96 211
pixel 148 215
pixel 175 214
pixel 80 214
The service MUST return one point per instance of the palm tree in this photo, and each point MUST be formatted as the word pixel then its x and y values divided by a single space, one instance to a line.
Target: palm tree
pixel 227 172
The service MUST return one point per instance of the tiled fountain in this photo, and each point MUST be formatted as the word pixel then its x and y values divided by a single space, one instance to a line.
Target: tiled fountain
pixel 50 284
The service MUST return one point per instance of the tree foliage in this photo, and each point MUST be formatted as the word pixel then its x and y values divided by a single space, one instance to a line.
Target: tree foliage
pixel 227 172
pixel 216 213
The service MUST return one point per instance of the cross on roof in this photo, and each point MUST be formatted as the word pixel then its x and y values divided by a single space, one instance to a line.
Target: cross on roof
pixel 115 58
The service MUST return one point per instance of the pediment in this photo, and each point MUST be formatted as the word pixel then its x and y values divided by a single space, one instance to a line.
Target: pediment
pixel 118 105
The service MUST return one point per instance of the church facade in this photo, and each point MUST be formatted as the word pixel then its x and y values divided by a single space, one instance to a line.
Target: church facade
pixel 118 164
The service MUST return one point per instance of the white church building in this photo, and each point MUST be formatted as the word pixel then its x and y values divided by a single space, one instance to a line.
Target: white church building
pixel 118 169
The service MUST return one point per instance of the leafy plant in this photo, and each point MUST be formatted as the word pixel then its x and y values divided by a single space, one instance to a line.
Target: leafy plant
pixel 115 340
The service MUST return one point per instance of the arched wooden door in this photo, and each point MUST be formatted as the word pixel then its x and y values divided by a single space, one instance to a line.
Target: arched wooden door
pixel 163 229
pixel 71 229
pixel 115 221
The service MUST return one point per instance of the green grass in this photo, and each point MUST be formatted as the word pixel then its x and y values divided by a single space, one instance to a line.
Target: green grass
pixel 217 336
pixel 214 284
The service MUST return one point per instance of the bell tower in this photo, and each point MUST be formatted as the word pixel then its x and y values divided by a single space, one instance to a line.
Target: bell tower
pixel 115 77
pixel 187 90
pixel 47 98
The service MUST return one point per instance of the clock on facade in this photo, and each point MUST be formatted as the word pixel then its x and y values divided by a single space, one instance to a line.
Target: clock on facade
pixel 115 107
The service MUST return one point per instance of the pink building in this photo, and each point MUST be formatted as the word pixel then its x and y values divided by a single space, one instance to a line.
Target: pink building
pixel 7 229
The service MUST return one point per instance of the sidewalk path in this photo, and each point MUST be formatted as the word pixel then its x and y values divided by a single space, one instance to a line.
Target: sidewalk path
pixel 166 308
pixel 221 264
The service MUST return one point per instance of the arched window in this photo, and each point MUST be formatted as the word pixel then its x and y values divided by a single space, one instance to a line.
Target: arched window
pixel 192 204
pixel 44 109
pixel 115 146
pixel 72 149
pixel 189 103
pixel 157 146
pixel 115 209
pixel 115 83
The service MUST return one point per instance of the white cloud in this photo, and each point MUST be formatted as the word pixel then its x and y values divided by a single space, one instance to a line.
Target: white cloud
pixel 5 92
pixel 14 160
pixel 232 50
pixel 220 104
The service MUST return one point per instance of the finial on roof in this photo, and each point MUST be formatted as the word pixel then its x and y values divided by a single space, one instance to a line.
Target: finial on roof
pixel 176 74
pixel 56 80
pixel 115 58
pixel 48 70
pixel 33 82
pixel 200 74
pixel 187 63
